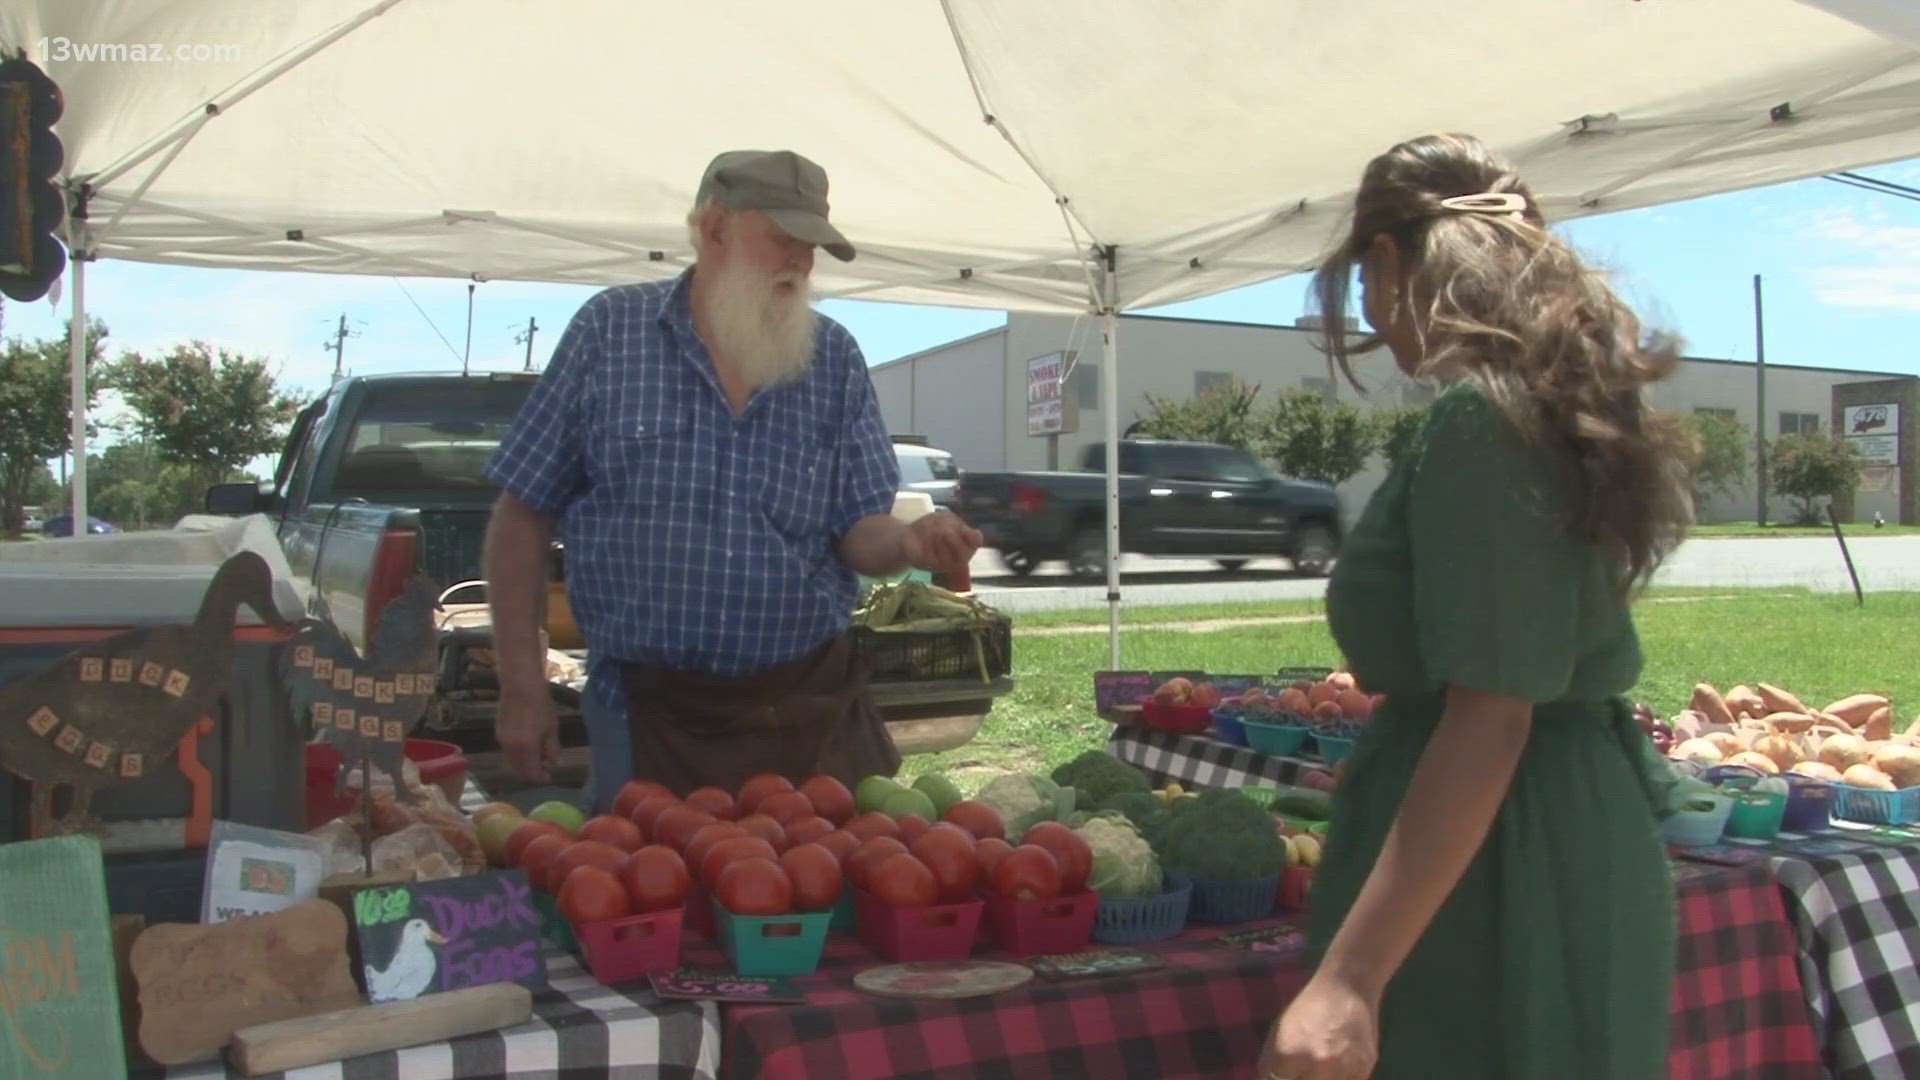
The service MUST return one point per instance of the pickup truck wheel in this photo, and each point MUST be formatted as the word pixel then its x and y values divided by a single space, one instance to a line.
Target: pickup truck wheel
pixel 1314 551
pixel 1018 562
pixel 1231 566
pixel 1088 556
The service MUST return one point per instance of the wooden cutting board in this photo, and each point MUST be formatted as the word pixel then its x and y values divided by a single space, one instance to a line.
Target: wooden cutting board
pixel 369 1029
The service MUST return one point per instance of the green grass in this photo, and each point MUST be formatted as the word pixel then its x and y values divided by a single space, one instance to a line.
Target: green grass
pixel 1818 645
pixel 1747 530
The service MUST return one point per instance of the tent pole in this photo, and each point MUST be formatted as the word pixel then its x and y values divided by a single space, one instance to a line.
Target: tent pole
pixel 1110 417
pixel 77 365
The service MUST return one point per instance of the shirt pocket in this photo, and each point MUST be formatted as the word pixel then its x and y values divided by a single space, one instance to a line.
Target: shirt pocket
pixel 658 463
pixel 798 473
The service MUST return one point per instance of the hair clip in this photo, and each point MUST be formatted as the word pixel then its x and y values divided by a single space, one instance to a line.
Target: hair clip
pixel 1489 202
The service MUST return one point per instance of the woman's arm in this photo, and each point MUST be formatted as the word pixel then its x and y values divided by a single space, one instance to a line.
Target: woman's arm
pixel 1449 808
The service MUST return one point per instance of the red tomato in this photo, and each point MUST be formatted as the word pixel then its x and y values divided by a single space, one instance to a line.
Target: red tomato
pixel 912 827
pixel 841 842
pixel 591 895
pixel 765 828
pixel 830 798
pixel 903 881
pixel 617 831
pixel 785 806
pixel 584 853
pixel 538 855
pixel 518 839
pixel 634 792
pixel 807 829
pixel 755 886
pixel 714 801
pixel 727 852
pixel 990 851
pixel 675 827
pixel 815 873
pixel 759 787
pixel 949 854
pixel 861 862
pixel 1029 872
pixel 1068 849
pixel 868 826
pixel 656 879
pixel 647 813
pixel 978 818
pixel 708 836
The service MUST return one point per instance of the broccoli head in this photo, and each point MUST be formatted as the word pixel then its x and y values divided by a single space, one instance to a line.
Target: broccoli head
pixel 1098 775
pixel 1222 836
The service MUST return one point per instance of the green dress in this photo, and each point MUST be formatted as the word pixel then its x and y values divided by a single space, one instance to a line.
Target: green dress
pixel 1553 957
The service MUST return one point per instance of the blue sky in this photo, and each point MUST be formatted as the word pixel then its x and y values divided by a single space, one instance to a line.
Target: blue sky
pixel 1842 270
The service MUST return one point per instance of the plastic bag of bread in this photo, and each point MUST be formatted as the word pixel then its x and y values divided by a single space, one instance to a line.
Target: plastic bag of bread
pixel 417 850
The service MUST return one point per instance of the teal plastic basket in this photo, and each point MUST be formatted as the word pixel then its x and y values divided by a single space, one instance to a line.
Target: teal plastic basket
pixel 1277 740
pixel 1137 920
pixel 770 945
pixel 1332 750
pixel 1698 828
pixel 843 921
pixel 1873 807
pixel 1756 815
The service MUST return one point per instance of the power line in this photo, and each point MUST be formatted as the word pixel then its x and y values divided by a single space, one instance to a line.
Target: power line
pixel 429 318
pixel 1878 187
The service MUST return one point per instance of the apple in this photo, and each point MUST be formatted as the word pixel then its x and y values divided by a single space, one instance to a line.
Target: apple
pixel 1205 695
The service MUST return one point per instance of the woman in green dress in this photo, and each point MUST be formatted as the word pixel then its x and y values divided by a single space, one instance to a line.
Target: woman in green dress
pixel 1494 901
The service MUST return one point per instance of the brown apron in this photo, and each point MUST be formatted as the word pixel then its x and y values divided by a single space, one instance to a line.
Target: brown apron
pixel 807 716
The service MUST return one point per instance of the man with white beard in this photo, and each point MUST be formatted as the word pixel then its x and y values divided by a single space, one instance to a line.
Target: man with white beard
pixel 713 454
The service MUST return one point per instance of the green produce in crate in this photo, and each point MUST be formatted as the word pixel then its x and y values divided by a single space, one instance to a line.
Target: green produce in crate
pixel 1222 836
pixel 917 607
pixel 1098 775
pixel 1140 807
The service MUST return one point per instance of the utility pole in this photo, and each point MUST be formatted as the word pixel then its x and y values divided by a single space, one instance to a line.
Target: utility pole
pixel 525 337
pixel 1760 400
pixel 466 357
pixel 337 345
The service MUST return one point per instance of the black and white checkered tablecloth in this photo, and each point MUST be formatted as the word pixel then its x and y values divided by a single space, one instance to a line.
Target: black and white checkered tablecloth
pixel 579 1028
pixel 1199 761
pixel 1858 921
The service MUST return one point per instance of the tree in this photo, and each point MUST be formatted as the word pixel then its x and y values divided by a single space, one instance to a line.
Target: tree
pixel 207 409
pixel 1723 444
pixel 1313 438
pixel 1395 431
pixel 131 485
pixel 1810 467
pixel 36 419
pixel 1224 415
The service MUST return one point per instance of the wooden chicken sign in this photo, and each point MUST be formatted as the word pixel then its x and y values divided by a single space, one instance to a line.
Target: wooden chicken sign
pixel 364 706
pixel 115 711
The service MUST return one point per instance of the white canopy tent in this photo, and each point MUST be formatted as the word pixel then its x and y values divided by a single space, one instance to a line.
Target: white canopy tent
pixel 1069 155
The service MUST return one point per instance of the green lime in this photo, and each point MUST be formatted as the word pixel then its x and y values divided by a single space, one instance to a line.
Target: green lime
pixel 940 790
pixel 872 792
pixel 908 801
pixel 564 814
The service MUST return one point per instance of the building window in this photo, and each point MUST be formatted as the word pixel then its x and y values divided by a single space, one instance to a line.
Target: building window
pixel 1208 382
pixel 1799 423
pixel 1086 385
pixel 1724 414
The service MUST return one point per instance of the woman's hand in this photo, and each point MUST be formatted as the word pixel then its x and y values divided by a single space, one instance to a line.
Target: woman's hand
pixel 1330 1032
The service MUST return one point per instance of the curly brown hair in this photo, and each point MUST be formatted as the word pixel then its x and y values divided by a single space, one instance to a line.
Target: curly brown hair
pixel 1511 307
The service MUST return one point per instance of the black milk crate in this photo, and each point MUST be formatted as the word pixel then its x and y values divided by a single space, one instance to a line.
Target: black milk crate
pixel 921 656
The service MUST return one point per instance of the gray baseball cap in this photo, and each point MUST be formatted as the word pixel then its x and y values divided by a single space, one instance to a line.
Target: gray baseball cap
pixel 781 184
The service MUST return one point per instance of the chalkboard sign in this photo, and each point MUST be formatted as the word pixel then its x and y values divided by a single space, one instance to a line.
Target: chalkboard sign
pixel 719 985
pixel 59 999
pixel 430 936
pixel 1112 688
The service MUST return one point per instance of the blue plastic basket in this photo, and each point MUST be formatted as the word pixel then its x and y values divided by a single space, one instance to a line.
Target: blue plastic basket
pixel 1233 901
pixel 1698 828
pixel 1875 807
pixel 1138 920
pixel 1332 750
pixel 1275 739
pixel 1228 728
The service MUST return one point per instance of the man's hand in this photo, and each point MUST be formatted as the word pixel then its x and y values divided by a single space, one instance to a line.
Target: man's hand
pixel 940 542
pixel 528 730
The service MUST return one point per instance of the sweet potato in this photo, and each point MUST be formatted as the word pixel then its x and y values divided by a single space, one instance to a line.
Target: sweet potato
pixel 1899 761
pixel 1866 776
pixel 1708 702
pixel 1879 725
pixel 1784 751
pixel 1779 700
pixel 1858 709
pixel 1744 702
pixel 1725 741
pixel 1755 760
pixel 1788 721
pixel 1843 752
pixel 1817 770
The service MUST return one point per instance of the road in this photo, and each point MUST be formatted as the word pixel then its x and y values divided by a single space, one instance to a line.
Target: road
pixel 1884 563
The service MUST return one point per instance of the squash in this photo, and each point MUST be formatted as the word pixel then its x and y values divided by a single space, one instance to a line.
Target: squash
pixel 1724 741
pixel 1899 761
pixel 1858 709
pixel 1742 701
pixel 1866 776
pixel 1779 700
pixel 1784 751
pixel 1817 770
pixel 1700 751
pixel 1843 752
pixel 1755 760
pixel 1708 702
pixel 1879 725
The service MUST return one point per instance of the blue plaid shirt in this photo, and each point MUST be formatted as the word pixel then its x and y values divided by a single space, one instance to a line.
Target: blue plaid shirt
pixel 696 540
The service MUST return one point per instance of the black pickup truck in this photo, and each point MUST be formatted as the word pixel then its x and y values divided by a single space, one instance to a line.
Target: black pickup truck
pixel 385 474
pixel 1177 499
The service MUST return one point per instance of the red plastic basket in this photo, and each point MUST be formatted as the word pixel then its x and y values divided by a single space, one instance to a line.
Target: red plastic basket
pixel 625 950
pixel 699 910
pixel 940 932
pixel 1296 883
pixel 1034 927
pixel 1179 719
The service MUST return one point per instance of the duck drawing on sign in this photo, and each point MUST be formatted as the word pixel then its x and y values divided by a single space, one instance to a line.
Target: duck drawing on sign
pixel 364 706
pixel 412 968
pixel 115 711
